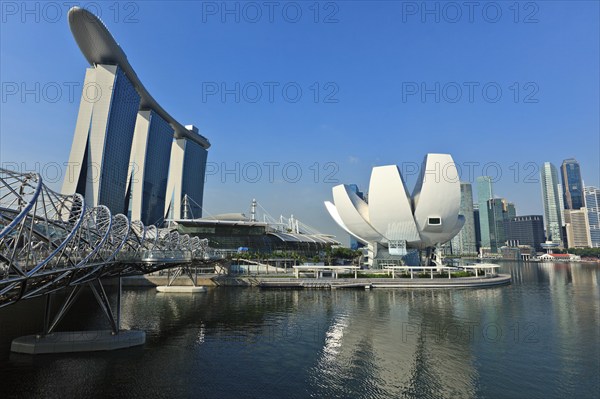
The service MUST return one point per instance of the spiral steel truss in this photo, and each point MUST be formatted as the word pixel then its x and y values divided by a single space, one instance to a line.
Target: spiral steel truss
pixel 49 241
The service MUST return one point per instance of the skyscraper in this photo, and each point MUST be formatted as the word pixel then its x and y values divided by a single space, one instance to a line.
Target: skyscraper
pixel 499 211
pixel 185 187
pixel 477 225
pixel 354 243
pixel 509 209
pixel 578 228
pixel 525 230
pixel 126 147
pixel 572 184
pixel 484 193
pixel 99 158
pixel 561 202
pixel 592 203
pixel 464 243
pixel 550 198
pixel 149 168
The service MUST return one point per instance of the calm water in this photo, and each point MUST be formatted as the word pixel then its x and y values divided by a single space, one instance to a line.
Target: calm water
pixel 537 338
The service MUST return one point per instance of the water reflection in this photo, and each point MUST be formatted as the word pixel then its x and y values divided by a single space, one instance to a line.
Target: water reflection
pixel 535 338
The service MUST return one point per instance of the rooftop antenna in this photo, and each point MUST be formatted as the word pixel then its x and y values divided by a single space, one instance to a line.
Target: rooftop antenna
pixel 253 211
pixel 185 207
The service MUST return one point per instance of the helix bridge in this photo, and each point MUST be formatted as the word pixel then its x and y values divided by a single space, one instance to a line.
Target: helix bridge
pixel 51 242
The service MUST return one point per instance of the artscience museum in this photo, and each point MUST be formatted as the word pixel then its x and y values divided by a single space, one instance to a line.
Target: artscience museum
pixel 399 228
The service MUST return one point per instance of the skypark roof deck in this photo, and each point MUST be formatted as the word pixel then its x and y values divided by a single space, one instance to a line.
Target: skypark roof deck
pixel 99 47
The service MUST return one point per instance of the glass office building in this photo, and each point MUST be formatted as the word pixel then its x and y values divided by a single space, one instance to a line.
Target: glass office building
pixel 572 184
pixel 592 203
pixel 551 201
pixel 525 230
pixel 465 242
pixel 484 194
pixel 578 228
pixel 477 225
pixel 354 243
pixel 496 216
pixel 499 211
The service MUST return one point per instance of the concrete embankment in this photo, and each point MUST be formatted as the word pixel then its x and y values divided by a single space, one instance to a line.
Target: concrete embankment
pixel 369 283
pixel 207 280
pixel 311 283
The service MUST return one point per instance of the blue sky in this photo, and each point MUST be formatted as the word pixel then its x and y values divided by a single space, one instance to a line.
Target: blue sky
pixel 502 88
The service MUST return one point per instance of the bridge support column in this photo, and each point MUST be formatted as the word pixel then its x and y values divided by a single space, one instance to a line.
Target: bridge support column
pixel 181 288
pixel 120 288
pixel 80 341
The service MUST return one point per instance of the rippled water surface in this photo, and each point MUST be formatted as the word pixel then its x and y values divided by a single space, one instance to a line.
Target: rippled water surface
pixel 537 338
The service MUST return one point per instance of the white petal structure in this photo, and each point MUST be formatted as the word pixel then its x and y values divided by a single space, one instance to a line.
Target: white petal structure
pixel 428 217
pixel 436 200
pixel 354 212
pixel 390 207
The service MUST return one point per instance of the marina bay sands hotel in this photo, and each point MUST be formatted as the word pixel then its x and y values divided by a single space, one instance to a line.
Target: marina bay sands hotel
pixel 128 153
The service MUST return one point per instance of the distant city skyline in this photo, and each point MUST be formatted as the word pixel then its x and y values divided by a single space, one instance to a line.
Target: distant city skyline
pixel 571 214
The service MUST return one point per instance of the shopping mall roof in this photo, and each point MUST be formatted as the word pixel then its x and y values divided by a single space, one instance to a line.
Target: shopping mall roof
pixel 307 238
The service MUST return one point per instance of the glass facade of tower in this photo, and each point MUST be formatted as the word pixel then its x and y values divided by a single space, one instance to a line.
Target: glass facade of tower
pixel 551 201
pixel 102 142
pixel 484 193
pixel 156 169
pixel 117 147
pixel 354 243
pixel 572 184
pixel 499 212
pixel 465 242
pixel 496 216
pixel 122 154
pixel 192 185
pixel 510 209
pixel 525 230
pixel 477 225
pixel 592 202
